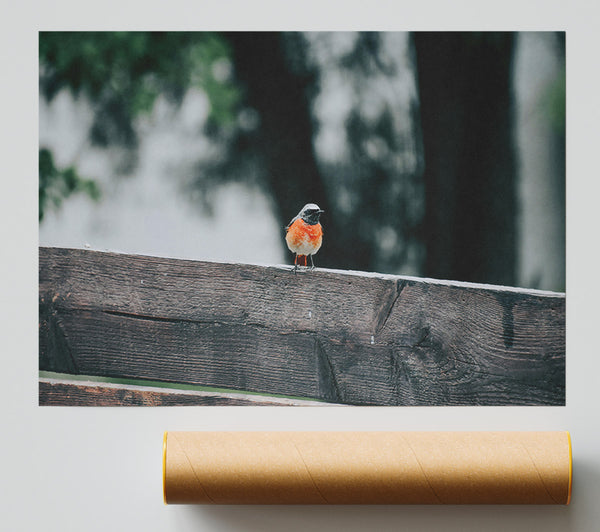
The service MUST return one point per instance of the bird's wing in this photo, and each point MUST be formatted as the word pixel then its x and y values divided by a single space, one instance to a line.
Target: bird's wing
pixel 287 227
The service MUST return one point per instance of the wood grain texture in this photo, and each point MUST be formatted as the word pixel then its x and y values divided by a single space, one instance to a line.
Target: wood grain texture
pixel 54 392
pixel 342 337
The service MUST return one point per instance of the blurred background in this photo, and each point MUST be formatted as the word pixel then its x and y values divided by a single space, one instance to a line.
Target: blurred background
pixel 433 154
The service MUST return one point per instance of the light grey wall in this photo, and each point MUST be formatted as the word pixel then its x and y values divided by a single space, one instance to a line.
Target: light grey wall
pixel 98 469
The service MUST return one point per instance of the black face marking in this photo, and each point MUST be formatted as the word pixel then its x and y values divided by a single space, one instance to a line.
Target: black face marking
pixel 311 216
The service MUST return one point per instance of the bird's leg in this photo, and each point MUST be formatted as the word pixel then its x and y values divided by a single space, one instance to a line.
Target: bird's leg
pixel 312 263
pixel 296 263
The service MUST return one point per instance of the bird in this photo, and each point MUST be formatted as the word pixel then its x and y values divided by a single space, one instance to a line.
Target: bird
pixel 304 234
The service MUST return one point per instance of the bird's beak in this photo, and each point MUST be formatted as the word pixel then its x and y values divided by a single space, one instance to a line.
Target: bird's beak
pixel 321 211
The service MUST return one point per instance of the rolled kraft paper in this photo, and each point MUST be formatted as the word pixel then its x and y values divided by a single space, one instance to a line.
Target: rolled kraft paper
pixel 367 467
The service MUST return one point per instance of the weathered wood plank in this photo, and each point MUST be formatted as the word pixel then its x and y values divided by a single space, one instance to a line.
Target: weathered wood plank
pixel 342 337
pixel 53 392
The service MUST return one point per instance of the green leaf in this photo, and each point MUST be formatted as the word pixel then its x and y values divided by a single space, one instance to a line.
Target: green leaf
pixel 55 185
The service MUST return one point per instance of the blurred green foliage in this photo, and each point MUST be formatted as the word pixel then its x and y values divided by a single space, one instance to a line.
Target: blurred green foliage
pixel 554 103
pixel 56 184
pixel 122 73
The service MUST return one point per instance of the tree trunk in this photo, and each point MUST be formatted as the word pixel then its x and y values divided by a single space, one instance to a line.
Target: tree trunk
pixel 467 121
pixel 285 132
pixel 285 141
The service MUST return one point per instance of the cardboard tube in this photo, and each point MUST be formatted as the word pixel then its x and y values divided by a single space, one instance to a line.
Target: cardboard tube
pixel 367 467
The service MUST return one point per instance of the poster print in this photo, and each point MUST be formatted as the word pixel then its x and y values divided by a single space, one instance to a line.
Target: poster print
pixel 302 218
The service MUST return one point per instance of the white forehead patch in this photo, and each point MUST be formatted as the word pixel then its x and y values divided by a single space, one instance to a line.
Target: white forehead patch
pixel 310 207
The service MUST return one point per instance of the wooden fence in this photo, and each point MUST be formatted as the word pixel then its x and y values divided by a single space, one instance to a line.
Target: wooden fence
pixel 241 334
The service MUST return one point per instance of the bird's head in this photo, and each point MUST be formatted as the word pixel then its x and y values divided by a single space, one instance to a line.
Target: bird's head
pixel 310 213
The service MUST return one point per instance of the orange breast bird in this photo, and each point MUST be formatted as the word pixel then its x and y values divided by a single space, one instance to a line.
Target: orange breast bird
pixel 304 235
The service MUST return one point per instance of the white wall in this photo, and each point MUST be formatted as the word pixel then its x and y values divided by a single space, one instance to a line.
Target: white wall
pixel 97 469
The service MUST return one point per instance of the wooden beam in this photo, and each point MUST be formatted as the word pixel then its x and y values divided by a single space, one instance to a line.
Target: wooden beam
pixel 65 392
pixel 342 337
